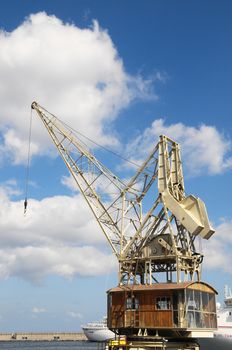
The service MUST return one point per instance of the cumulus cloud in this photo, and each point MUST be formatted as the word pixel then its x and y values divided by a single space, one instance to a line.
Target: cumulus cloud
pixel 69 182
pixel 204 148
pixel 34 263
pixel 57 236
pixel 9 188
pixel 15 149
pixel 75 73
pixel 103 186
pixel 218 252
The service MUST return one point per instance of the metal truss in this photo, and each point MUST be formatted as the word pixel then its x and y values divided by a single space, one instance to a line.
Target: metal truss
pixel 145 242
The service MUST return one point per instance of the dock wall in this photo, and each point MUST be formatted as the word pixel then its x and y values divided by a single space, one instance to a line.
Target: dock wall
pixel 42 336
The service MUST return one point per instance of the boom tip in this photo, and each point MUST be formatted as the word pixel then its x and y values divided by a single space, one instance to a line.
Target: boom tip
pixel 33 105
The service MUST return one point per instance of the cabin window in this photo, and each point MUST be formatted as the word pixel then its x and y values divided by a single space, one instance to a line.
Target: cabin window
pixel 163 303
pixel 205 301
pixel 132 303
pixel 201 312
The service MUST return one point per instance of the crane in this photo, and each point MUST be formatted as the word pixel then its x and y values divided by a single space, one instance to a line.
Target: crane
pixel 151 226
pixel 147 241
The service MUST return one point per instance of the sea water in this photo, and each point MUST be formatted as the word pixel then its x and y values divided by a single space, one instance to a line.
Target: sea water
pixel 206 344
pixel 49 345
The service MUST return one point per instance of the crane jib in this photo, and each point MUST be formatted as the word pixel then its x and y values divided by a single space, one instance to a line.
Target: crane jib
pixel 145 242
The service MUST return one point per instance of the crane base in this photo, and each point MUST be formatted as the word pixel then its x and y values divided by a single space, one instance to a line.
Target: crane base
pixel 156 344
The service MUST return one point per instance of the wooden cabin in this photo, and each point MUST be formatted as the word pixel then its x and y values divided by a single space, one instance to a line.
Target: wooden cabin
pixel 184 307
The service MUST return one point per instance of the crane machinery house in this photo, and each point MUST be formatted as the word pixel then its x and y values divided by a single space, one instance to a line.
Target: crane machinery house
pixel 160 291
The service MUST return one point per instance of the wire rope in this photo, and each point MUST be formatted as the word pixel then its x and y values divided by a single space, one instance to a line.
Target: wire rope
pixel 92 141
pixel 28 165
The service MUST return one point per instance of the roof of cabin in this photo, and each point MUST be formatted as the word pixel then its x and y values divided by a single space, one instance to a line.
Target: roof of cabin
pixel 162 286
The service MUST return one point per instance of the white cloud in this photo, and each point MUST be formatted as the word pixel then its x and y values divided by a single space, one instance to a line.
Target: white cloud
pixel 204 149
pixel 57 236
pixel 15 149
pixel 10 188
pixel 34 263
pixel 103 186
pixel 38 310
pixel 74 314
pixel 69 182
pixel 75 73
pixel 218 250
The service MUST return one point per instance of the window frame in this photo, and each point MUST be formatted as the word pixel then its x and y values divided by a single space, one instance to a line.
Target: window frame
pixel 132 303
pixel 163 303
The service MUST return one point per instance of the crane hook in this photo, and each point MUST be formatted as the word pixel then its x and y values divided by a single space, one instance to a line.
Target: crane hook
pixel 25 206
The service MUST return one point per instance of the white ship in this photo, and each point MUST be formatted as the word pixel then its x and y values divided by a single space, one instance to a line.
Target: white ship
pixel 98 331
pixel 224 316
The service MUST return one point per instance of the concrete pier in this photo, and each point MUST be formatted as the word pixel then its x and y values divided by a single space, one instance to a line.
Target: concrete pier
pixel 42 336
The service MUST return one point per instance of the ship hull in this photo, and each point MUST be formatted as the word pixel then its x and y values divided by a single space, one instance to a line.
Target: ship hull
pixel 215 344
pixel 98 335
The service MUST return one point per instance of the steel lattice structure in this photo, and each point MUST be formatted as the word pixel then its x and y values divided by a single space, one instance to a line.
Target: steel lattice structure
pixel 161 240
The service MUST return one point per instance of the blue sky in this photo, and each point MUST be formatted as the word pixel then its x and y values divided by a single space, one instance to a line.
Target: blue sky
pixel 166 68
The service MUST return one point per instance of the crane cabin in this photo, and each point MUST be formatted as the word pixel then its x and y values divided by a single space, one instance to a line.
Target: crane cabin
pixel 186 308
